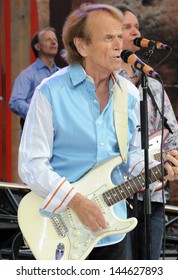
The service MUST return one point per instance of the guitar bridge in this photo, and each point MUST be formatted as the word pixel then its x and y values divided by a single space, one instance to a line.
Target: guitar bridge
pixel 59 225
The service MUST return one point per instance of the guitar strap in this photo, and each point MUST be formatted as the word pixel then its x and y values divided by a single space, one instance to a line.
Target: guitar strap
pixel 121 116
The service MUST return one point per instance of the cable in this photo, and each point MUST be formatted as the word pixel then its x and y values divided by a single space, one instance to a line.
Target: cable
pixel 147 55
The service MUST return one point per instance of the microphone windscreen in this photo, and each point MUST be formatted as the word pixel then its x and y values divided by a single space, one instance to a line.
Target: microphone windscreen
pixel 125 55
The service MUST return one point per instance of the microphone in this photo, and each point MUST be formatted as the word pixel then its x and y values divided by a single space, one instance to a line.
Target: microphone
pixel 131 58
pixel 144 43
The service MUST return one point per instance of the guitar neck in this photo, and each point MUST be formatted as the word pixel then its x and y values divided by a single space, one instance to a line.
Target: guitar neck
pixel 131 186
pixel 158 155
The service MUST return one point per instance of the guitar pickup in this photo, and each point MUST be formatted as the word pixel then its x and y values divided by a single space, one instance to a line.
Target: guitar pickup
pixel 59 225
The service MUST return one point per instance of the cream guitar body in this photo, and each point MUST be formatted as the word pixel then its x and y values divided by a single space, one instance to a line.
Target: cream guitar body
pixel 63 236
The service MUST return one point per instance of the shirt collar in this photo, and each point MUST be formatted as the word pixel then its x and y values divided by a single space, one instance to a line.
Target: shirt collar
pixel 41 65
pixel 124 74
pixel 78 75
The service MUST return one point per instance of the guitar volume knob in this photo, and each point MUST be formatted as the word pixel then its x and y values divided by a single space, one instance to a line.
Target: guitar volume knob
pixel 76 232
pixel 74 256
pixel 76 245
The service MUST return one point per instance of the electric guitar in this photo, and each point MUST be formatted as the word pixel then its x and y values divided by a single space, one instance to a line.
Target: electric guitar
pixel 63 236
pixel 155 144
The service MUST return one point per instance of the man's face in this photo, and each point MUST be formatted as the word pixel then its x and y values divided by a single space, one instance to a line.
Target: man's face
pixel 48 43
pixel 102 54
pixel 130 31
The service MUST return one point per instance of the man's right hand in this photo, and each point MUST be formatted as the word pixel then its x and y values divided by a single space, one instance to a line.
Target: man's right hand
pixel 88 212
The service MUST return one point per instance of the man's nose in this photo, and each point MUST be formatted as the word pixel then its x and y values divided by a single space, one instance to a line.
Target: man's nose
pixel 118 42
pixel 135 31
pixel 54 41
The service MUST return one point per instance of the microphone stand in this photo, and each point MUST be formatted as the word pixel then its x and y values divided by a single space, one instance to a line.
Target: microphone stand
pixel 145 146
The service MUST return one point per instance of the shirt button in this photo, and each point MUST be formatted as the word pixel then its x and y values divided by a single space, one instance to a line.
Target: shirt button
pixel 95 101
pixel 99 122
pixel 102 143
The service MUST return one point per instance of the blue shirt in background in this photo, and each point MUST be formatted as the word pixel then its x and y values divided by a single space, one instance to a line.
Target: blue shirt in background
pixel 25 84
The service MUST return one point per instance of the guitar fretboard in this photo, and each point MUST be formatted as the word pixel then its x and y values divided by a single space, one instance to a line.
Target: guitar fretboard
pixel 158 155
pixel 131 186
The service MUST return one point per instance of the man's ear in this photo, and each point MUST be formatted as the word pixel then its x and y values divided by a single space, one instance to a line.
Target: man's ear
pixel 80 46
pixel 37 46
